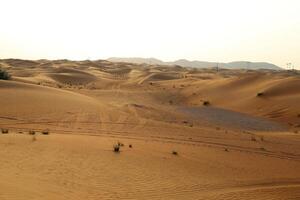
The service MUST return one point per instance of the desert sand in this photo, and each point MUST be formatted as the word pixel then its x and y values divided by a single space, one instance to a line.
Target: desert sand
pixel 194 133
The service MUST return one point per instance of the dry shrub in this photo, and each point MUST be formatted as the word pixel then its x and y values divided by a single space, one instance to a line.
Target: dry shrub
pixel 4 131
pixel 206 103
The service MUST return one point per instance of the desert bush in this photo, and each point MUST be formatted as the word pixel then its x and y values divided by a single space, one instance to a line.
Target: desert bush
pixel 259 94
pixel 130 146
pixel 174 152
pixel 120 144
pixel 206 103
pixel 116 148
pixel 4 75
pixel 262 149
pixel 45 132
pixel 4 131
pixel 253 138
pixel 31 132
pixel 226 150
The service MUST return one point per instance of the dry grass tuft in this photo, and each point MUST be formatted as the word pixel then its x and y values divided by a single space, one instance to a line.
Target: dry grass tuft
pixel 4 131
pixel 31 132
pixel 45 132
pixel 260 94
pixel 116 148
pixel 206 103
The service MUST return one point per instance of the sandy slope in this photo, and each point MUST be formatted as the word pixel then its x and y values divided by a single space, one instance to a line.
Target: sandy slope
pixel 241 146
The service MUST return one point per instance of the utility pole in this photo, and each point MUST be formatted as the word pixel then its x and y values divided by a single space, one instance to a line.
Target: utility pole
pixel 248 65
pixel 289 66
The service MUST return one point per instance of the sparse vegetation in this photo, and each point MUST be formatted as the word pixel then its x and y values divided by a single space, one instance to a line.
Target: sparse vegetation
pixel 259 94
pixel 4 131
pixel 116 148
pixel 130 146
pixel 4 75
pixel 45 132
pixel 120 144
pixel 253 138
pixel 206 103
pixel 226 150
pixel 262 148
pixel 174 152
pixel 31 132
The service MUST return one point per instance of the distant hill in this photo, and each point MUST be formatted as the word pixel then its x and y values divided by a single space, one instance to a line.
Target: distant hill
pixel 151 61
pixel 200 64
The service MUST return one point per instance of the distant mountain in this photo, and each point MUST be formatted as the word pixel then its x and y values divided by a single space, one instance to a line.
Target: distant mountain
pixel 200 64
pixel 252 65
pixel 151 61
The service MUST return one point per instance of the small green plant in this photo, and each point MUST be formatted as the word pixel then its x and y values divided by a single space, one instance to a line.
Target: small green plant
pixel 4 75
pixel 4 131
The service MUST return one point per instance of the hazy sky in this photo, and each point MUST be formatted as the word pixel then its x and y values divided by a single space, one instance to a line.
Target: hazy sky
pixel 210 30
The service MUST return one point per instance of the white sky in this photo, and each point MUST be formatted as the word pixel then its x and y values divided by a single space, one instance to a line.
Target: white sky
pixel 210 30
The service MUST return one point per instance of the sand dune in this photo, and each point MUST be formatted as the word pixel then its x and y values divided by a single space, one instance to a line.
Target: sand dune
pixel 243 144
